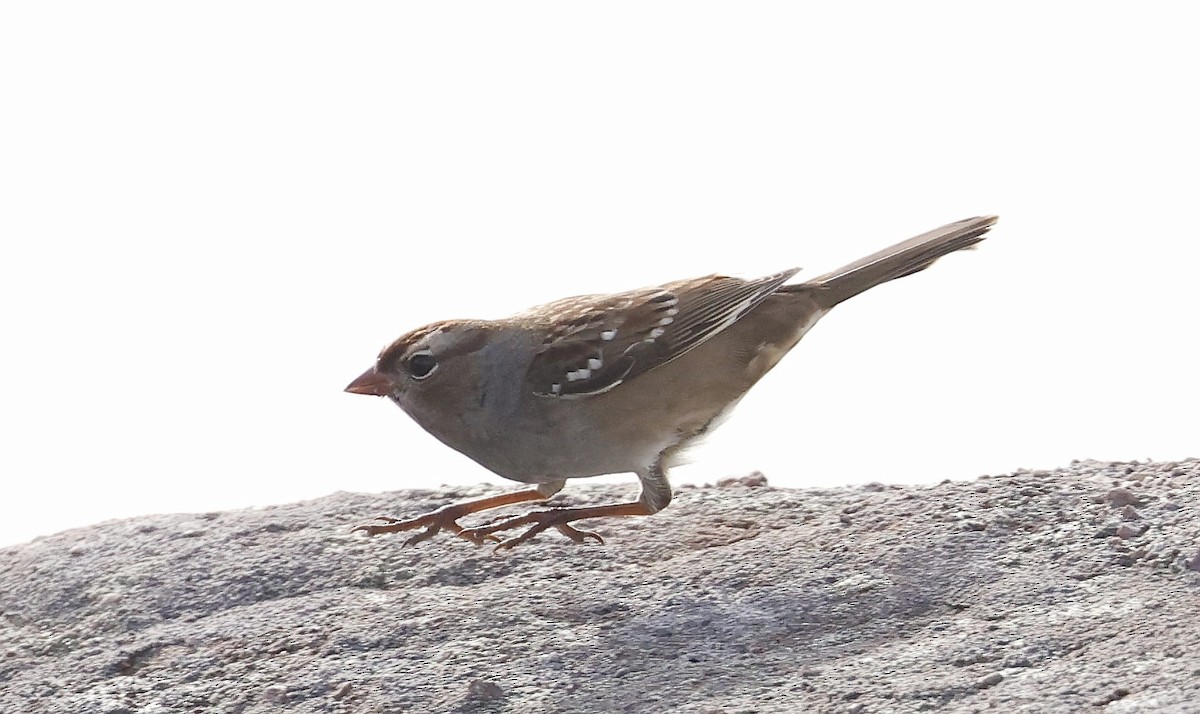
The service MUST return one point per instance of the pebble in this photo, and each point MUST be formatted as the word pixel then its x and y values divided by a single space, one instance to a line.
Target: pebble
pixel 989 681
pixel 754 480
pixel 485 690
pixel 1193 563
pixel 1119 497
pixel 1127 531
pixel 275 695
pixel 1114 695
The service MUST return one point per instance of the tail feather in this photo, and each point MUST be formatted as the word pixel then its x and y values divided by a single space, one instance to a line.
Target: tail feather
pixel 911 256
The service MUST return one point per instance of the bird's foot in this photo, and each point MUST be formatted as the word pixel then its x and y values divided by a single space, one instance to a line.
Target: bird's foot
pixel 433 522
pixel 558 518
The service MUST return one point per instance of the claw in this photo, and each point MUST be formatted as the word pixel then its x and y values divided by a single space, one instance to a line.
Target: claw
pixel 374 529
pixel 369 528
pixel 577 535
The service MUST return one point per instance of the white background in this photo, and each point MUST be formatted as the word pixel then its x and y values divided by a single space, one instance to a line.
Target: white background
pixel 214 214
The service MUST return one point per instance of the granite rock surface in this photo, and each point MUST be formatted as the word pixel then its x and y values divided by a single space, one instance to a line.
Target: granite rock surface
pixel 1076 589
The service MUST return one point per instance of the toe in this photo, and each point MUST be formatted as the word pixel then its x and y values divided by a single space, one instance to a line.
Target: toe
pixel 477 538
pixel 513 542
pixel 423 535
pixel 577 535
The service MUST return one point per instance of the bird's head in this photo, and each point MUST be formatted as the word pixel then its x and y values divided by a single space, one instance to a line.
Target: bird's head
pixel 427 370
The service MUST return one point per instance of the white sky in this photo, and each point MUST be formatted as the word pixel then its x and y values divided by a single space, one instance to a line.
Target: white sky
pixel 214 214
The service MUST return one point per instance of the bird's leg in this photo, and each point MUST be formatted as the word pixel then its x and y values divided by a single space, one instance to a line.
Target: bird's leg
pixel 447 516
pixel 656 494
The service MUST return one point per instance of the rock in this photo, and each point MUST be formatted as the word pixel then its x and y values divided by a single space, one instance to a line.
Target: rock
pixel 1119 497
pixel 1126 531
pixel 484 690
pixel 754 480
pixel 989 681
pixel 743 599
pixel 275 695
pixel 1193 563
pixel 1112 696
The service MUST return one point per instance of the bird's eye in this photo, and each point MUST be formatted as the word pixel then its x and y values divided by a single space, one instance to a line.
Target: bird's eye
pixel 422 364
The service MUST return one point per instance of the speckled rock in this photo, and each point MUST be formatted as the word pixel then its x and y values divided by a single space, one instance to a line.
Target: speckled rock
pixel 1065 590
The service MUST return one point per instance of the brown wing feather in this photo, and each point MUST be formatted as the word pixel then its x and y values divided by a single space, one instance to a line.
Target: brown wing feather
pixel 602 341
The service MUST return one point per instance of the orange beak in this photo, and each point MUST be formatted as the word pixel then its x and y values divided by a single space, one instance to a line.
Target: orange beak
pixel 370 382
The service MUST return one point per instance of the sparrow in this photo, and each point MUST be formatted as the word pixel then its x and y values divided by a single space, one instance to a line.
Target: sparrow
pixel 606 384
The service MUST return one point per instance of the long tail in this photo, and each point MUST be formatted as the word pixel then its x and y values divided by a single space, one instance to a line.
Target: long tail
pixel 911 256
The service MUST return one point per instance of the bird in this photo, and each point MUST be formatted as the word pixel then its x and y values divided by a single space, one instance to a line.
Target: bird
pixel 607 384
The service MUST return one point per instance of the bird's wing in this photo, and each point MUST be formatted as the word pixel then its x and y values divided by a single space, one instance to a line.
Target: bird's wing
pixel 599 342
